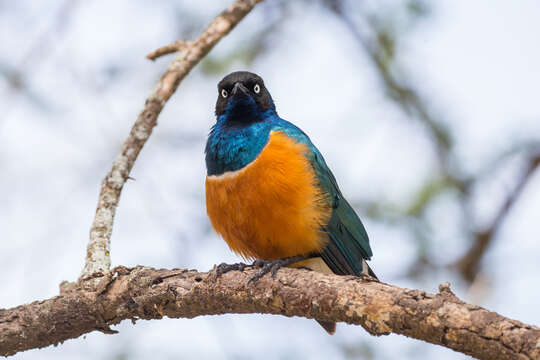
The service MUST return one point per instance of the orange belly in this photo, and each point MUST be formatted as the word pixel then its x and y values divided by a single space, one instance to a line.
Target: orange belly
pixel 271 208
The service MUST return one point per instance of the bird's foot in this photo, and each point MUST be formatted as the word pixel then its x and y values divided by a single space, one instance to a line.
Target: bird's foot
pixel 224 268
pixel 272 266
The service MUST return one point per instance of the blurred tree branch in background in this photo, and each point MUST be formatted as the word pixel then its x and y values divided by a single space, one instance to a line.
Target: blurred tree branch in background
pixel 378 36
pixel 468 265
pixel 381 309
pixel 19 78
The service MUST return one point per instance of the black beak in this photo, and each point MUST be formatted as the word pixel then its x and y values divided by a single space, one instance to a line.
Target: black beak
pixel 239 90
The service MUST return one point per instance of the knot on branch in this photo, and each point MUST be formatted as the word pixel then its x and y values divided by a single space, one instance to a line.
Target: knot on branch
pixel 444 290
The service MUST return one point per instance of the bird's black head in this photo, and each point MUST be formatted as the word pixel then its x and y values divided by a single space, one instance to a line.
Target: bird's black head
pixel 243 98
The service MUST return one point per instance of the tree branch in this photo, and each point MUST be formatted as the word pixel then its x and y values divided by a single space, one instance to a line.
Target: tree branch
pixel 468 264
pixel 146 293
pixel 167 49
pixel 103 298
pixel 98 250
pixel 378 41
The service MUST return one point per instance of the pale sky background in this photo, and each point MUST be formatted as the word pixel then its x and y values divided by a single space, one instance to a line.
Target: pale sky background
pixel 476 62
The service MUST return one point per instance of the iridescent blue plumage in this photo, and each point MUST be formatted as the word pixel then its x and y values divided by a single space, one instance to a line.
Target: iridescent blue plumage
pixel 242 130
pixel 231 147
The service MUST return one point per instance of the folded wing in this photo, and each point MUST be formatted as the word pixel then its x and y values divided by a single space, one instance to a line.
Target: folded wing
pixel 348 245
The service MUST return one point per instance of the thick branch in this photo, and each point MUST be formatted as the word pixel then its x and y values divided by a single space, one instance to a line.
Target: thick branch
pixel 98 251
pixel 145 293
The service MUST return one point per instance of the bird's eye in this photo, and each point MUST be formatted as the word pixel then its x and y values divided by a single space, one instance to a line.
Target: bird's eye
pixel 224 93
pixel 257 88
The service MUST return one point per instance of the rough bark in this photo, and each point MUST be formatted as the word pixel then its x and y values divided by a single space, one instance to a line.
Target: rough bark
pixel 98 250
pixel 146 293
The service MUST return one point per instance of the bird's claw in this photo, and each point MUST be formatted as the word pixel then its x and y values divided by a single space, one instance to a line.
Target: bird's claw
pixel 265 266
pixel 224 268
pixel 272 266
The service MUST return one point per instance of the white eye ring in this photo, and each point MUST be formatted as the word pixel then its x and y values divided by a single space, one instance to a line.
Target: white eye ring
pixel 257 88
pixel 224 93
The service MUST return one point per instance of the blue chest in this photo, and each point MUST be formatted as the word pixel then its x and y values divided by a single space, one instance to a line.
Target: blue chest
pixel 230 148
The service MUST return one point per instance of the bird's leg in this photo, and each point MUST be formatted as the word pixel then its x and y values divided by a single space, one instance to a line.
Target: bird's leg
pixel 224 268
pixel 266 266
pixel 368 274
pixel 272 266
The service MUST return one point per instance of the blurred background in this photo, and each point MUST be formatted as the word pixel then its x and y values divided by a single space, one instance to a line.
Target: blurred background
pixel 427 112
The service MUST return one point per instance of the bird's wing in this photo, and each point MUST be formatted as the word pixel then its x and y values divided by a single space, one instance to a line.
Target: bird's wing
pixel 348 244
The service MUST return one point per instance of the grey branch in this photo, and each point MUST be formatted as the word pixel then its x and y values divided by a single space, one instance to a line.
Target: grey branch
pixel 98 250
pixel 381 309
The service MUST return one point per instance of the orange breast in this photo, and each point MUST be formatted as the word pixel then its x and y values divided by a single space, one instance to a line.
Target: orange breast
pixel 271 208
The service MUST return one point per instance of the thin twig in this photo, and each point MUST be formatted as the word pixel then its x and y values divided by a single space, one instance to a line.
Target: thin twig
pixel 98 251
pixel 167 49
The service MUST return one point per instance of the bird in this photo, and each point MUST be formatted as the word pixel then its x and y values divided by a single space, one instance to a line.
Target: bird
pixel 270 194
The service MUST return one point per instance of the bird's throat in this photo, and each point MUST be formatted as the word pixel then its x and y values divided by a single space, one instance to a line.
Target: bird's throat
pixel 242 110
